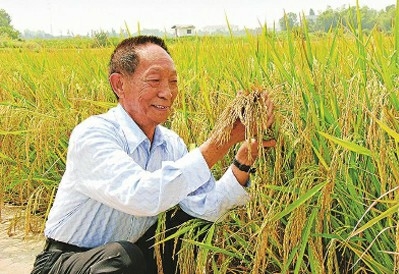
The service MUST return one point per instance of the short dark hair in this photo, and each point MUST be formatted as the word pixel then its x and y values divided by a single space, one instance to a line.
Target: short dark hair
pixel 125 59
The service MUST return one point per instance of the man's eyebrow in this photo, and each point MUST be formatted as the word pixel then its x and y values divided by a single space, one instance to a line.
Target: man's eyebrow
pixel 157 68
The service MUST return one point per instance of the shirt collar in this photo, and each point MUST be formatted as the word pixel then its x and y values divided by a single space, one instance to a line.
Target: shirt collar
pixel 133 133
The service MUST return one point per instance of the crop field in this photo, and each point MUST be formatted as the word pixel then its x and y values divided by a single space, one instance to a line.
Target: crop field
pixel 325 200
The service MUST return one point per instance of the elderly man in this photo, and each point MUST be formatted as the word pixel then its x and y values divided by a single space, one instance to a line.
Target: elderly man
pixel 124 168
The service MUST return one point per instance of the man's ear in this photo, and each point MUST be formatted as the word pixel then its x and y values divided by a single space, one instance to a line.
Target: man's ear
pixel 116 81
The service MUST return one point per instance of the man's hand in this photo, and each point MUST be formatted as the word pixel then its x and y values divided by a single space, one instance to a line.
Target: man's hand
pixel 213 150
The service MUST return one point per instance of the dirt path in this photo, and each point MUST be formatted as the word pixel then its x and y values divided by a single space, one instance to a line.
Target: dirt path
pixel 17 253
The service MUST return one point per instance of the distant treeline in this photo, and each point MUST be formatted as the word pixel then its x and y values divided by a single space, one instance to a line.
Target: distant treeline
pixel 347 17
pixel 321 21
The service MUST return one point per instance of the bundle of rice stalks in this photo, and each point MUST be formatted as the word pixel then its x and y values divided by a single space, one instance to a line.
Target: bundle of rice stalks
pixel 251 109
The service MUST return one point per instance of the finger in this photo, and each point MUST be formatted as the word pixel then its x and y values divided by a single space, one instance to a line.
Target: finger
pixel 269 105
pixel 265 96
pixel 270 120
pixel 269 143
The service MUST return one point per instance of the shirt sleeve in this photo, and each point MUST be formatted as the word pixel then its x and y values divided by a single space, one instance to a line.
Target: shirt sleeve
pixel 100 168
pixel 212 200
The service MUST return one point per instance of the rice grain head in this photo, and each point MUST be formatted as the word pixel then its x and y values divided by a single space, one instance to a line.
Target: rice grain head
pixel 249 108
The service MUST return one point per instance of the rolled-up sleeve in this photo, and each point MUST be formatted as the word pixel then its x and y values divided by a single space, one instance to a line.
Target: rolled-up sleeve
pixel 212 200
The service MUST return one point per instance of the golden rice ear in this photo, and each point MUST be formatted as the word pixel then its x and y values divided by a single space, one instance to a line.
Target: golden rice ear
pixel 250 109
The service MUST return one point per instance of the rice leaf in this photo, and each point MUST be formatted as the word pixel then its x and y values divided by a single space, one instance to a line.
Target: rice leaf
pixel 302 199
pixel 348 145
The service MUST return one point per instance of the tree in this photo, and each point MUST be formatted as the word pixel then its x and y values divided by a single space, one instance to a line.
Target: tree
pixel 311 20
pixel 368 18
pixel 327 19
pixel 5 19
pixel 6 29
pixel 288 21
pixel 100 39
pixel 347 17
pixel 386 18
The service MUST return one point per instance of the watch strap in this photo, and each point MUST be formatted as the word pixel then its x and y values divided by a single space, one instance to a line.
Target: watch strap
pixel 243 167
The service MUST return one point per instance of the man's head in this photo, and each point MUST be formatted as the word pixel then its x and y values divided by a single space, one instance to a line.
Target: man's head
pixel 143 77
pixel 125 59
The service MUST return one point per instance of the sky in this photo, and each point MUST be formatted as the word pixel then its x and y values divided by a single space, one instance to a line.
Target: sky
pixel 79 17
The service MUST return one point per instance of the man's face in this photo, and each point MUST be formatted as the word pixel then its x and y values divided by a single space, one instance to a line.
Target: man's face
pixel 149 93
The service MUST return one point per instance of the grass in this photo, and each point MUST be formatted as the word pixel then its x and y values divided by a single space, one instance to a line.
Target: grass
pixel 324 200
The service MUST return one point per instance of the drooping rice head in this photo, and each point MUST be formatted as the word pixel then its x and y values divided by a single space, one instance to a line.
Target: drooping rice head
pixel 249 108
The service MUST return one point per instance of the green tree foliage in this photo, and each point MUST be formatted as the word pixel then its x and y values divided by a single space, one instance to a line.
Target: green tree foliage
pixel 327 19
pixel 347 17
pixel 289 21
pixel 386 17
pixel 5 19
pixel 6 29
pixel 368 17
pixel 101 39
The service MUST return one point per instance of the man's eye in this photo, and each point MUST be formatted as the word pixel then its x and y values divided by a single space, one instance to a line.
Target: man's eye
pixel 154 81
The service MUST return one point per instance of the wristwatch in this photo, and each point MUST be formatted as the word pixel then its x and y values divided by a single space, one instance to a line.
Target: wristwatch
pixel 243 167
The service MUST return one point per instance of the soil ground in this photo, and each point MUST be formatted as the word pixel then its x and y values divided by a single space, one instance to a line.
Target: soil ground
pixel 17 250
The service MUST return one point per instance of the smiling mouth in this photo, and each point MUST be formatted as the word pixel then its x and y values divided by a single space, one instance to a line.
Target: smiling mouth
pixel 161 107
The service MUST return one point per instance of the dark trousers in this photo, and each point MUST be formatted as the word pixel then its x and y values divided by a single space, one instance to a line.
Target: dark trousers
pixel 169 250
pixel 116 257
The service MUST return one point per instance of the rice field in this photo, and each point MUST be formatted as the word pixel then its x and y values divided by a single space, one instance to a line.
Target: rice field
pixel 324 200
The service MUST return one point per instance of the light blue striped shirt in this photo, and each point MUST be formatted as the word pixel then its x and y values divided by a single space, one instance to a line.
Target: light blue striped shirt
pixel 116 182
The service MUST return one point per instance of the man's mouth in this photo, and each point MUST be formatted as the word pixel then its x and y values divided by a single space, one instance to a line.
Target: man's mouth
pixel 161 107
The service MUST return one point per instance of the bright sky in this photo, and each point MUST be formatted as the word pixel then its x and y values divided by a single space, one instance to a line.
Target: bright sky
pixel 80 16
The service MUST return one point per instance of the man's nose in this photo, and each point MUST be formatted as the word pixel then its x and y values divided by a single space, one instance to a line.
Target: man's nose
pixel 165 91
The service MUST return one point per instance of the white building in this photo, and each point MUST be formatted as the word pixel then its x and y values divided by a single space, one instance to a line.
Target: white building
pixel 183 30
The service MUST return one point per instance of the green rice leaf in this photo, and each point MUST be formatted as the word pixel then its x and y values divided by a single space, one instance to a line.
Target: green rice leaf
pixel 388 130
pixel 348 145
pixel 375 220
pixel 298 202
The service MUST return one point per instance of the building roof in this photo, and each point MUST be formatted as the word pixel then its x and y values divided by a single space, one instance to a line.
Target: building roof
pixel 183 27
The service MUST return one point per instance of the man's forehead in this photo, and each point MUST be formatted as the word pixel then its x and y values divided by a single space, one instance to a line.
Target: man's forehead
pixel 161 69
pixel 150 48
